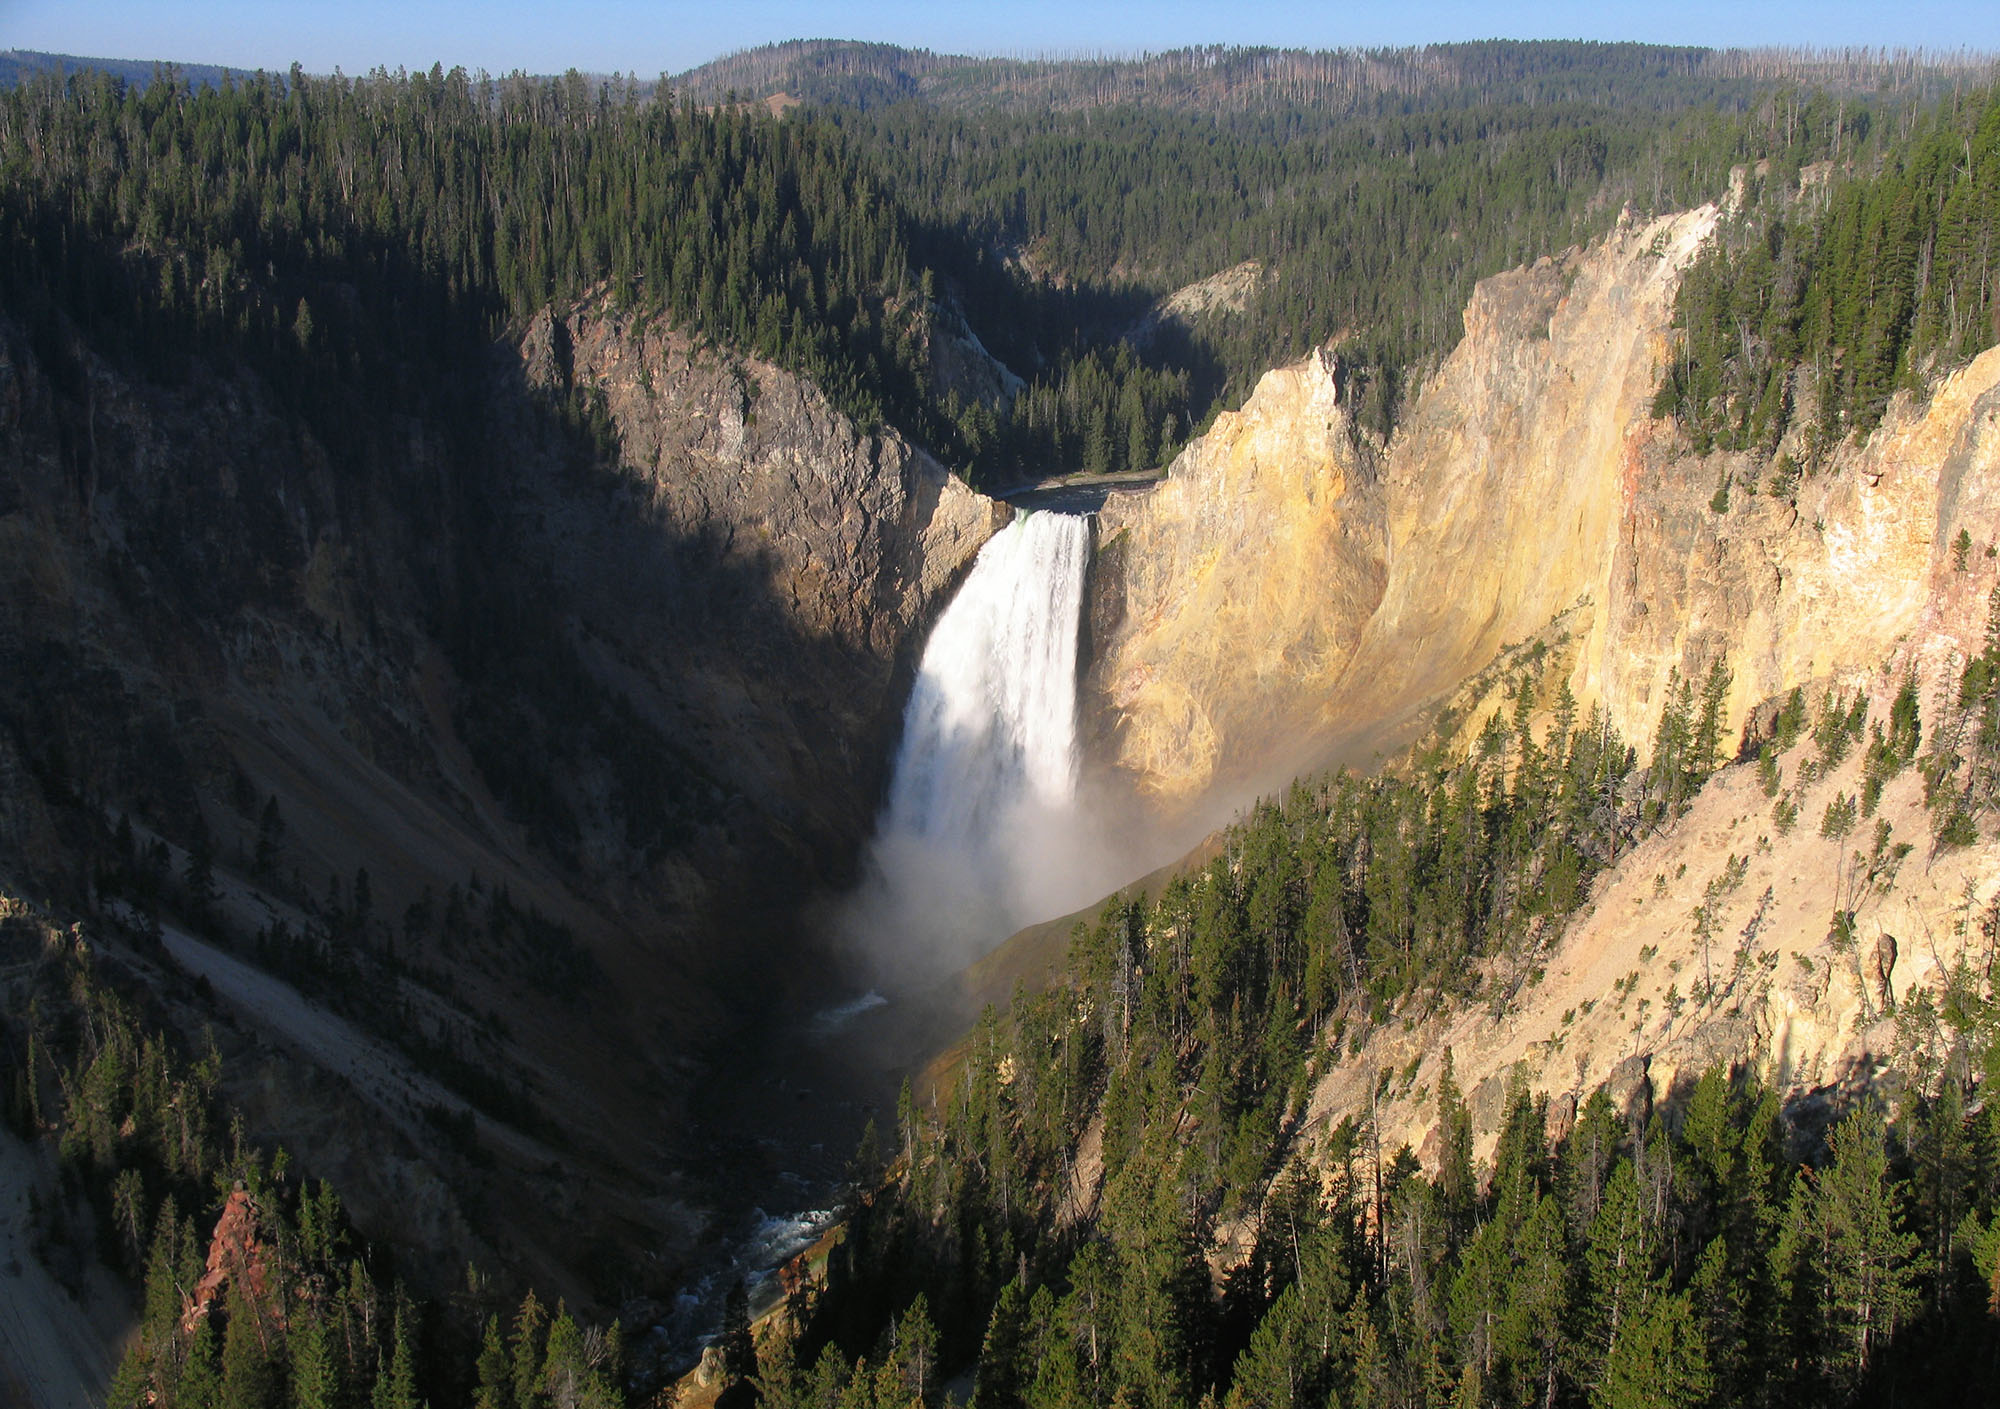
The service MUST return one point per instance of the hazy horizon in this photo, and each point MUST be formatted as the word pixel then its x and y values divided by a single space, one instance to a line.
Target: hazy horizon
pixel 648 40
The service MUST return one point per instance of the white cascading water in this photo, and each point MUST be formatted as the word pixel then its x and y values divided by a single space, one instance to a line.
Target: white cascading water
pixel 991 720
pixel 984 791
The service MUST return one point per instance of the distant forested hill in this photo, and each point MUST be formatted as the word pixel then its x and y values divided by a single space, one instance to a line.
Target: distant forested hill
pixel 1049 204
pixel 16 65
pixel 1223 78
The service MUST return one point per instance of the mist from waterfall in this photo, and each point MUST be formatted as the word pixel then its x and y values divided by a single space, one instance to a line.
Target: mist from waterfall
pixel 983 831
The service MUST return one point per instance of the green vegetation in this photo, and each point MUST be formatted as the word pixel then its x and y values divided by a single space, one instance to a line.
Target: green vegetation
pixel 1372 227
pixel 359 238
pixel 1706 1250
pixel 1835 286
pixel 1962 767
pixel 307 1314
pixel 1220 78
pixel 350 230
pixel 363 244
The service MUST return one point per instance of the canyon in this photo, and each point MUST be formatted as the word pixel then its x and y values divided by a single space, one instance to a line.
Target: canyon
pixel 645 708
pixel 653 697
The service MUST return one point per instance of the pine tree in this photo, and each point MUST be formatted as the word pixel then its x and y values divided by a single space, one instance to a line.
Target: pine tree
pixel 249 1380
pixel 1620 1252
pixel 315 1377
pixel 1279 1365
pixel 525 1353
pixel 739 1347
pixel 199 1385
pixel 1532 1331
pixel 1868 1264
pixel 495 1383
pixel 914 1352
pixel 1456 1181
pixel 396 1380
pixel 1659 1362
pixel 998 1383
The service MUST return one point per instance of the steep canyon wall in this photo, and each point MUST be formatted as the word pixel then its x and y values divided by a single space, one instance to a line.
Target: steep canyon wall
pixel 1293 586
pixel 642 686
pixel 1292 583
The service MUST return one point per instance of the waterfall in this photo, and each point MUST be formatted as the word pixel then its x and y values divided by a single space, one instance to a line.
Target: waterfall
pixel 983 796
pixel 991 721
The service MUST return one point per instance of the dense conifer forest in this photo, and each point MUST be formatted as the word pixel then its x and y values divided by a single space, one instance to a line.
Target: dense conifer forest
pixel 1826 296
pixel 361 235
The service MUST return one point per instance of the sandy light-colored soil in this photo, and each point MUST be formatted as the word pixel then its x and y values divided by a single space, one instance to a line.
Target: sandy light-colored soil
pixel 56 1351
pixel 1615 997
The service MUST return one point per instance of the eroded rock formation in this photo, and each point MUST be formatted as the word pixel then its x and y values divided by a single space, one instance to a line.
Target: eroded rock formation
pixel 1289 585
pixel 1290 582
pixel 1228 601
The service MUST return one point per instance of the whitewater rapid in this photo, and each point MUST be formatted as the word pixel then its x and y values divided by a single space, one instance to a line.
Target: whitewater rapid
pixel 982 816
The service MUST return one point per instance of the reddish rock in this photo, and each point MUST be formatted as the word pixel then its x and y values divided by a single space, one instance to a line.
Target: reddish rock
pixel 235 1254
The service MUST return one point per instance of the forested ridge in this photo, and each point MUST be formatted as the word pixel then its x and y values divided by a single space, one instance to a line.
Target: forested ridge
pixel 1214 78
pixel 360 237
pixel 357 232
pixel 1824 296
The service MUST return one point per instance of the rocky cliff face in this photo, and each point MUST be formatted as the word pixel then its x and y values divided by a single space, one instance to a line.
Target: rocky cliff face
pixel 790 559
pixel 1855 575
pixel 1289 582
pixel 1227 602
pixel 639 691
pixel 1712 941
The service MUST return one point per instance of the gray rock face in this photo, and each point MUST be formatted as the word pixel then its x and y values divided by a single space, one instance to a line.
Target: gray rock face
pixel 650 694
pixel 791 558
pixel 1630 1087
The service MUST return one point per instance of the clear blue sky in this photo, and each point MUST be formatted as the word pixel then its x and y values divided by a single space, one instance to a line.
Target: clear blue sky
pixel 648 37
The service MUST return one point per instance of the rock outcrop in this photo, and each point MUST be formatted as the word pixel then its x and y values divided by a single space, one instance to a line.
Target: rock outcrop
pixel 1857 570
pixel 1290 581
pixel 237 1258
pixel 791 559
pixel 1227 602
pixel 1506 484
